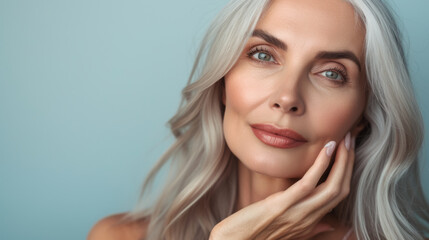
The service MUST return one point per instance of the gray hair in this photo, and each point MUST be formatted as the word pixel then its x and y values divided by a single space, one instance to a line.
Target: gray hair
pixel 387 199
pixel 202 184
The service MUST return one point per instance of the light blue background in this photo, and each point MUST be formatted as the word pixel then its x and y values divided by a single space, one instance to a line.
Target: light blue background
pixel 86 87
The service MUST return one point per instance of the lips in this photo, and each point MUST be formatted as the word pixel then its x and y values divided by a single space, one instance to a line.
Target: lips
pixel 276 137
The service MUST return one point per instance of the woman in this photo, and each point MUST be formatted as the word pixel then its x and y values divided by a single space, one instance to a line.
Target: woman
pixel 298 122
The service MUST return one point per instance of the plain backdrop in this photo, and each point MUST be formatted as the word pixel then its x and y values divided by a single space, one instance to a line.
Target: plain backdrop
pixel 86 87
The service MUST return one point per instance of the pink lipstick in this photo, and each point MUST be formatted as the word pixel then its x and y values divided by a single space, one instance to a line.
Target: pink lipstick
pixel 276 137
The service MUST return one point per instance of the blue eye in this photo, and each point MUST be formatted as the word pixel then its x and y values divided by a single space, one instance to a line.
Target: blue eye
pixel 336 74
pixel 332 75
pixel 262 56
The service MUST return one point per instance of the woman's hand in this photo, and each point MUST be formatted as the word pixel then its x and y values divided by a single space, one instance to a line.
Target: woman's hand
pixel 296 212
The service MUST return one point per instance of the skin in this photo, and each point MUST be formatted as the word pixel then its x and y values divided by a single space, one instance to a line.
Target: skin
pixel 279 196
pixel 291 87
pixel 265 91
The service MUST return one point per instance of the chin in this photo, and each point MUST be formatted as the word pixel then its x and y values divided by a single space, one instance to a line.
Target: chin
pixel 276 167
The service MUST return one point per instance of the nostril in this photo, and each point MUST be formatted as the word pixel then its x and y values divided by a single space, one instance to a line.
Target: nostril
pixel 276 105
pixel 294 109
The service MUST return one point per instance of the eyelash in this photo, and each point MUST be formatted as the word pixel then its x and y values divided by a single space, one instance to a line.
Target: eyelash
pixel 340 71
pixel 261 49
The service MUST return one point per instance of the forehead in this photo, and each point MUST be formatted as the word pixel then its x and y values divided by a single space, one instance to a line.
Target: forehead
pixel 328 24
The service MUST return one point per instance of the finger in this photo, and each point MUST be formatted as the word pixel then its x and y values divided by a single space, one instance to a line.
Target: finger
pixel 332 189
pixel 308 182
pixel 328 194
pixel 322 197
pixel 315 172
pixel 265 211
pixel 282 201
pixel 338 170
pixel 350 166
pixel 317 215
pixel 320 201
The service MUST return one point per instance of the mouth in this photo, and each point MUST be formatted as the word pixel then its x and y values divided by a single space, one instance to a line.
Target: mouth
pixel 277 137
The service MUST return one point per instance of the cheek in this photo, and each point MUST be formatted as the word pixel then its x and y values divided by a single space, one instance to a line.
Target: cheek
pixel 335 117
pixel 242 92
pixel 328 116
pixel 239 98
pixel 235 106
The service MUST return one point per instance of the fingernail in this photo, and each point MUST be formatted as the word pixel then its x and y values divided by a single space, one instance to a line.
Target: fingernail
pixel 347 142
pixel 330 147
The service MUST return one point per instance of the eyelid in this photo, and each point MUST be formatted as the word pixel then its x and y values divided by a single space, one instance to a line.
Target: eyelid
pixel 343 73
pixel 265 49
pixel 329 65
pixel 338 70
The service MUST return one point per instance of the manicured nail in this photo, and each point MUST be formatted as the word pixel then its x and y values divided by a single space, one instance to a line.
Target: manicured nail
pixel 330 147
pixel 347 141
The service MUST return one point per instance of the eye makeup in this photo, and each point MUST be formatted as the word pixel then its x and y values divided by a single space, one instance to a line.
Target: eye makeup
pixel 341 72
pixel 329 71
pixel 264 51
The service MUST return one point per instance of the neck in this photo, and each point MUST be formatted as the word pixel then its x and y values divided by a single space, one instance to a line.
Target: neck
pixel 253 186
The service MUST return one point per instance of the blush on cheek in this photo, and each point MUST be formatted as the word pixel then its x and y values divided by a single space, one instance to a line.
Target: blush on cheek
pixel 240 98
pixel 338 121
pixel 244 89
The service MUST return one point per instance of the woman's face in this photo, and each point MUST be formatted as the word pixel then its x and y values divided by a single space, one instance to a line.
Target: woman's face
pixel 298 84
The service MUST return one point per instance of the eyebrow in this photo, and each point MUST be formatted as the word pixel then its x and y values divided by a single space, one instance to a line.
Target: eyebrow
pixel 340 55
pixel 269 38
pixel 321 55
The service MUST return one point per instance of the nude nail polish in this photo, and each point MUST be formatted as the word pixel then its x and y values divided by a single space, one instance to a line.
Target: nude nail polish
pixel 330 147
pixel 347 141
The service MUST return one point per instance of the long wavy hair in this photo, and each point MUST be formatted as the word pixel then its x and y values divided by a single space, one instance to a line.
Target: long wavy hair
pixel 386 199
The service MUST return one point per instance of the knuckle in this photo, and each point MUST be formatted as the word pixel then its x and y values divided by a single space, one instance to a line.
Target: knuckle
pixel 346 191
pixel 303 228
pixel 216 232
pixel 306 186
pixel 333 192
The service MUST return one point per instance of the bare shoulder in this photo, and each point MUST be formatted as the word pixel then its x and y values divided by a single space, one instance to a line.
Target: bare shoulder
pixel 113 228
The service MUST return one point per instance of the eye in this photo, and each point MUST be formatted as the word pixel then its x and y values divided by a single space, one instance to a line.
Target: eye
pixel 262 56
pixel 333 75
pixel 337 74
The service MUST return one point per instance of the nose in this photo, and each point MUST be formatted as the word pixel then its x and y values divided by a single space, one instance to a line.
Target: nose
pixel 287 96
